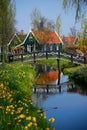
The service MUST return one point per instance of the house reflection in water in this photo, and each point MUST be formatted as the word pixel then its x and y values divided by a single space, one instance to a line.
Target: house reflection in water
pixel 47 78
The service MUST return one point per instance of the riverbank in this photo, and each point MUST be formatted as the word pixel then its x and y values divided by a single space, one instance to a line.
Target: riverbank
pixel 78 75
pixel 54 63
pixel 16 109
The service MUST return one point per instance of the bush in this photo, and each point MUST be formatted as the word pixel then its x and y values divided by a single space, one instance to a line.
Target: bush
pixel 79 76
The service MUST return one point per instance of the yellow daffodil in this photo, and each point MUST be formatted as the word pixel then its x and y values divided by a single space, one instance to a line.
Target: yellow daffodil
pixel 47 128
pixel 34 119
pixel 26 127
pixel 22 116
pixel 28 118
pixel 30 124
pixel 52 120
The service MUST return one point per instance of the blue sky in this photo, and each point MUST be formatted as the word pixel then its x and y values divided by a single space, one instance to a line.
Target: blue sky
pixel 49 9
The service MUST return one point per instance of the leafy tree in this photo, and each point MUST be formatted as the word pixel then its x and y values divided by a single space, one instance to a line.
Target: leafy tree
pixel 79 5
pixel 83 36
pixel 58 24
pixel 7 22
pixel 84 28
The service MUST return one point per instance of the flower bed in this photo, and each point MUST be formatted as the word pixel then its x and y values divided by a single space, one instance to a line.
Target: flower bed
pixel 16 109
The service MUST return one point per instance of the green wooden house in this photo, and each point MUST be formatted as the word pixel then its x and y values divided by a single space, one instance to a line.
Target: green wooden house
pixel 40 41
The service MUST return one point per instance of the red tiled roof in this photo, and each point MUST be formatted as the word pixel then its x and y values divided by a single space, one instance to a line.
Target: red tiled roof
pixel 69 40
pixel 46 37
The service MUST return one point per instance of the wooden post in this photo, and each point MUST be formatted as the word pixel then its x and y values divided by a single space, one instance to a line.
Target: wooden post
pixel 71 58
pixel 47 88
pixel 60 88
pixel 46 54
pixel 22 57
pixel 34 57
pixel 34 89
pixel 58 63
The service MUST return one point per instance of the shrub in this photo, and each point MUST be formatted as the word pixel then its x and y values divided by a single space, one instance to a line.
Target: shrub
pixel 79 76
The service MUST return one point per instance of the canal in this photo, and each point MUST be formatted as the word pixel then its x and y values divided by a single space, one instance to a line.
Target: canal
pixel 68 104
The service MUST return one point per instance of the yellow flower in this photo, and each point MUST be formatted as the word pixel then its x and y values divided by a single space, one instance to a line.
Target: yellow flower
pixel 12 113
pixel 30 124
pixel 47 128
pixel 1 107
pixel 19 120
pixel 44 114
pixel 19 101
pixel 1 85
pixel 20 109
pixel 35 124
pixel 52 120
pixel 41 114
pixel 22 116
pixel 28 118
pixel 26 127
pixel 34 119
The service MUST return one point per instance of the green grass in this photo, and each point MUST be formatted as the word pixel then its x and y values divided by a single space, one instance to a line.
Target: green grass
pixel 53 62
pixel 16 106
pixel 18 76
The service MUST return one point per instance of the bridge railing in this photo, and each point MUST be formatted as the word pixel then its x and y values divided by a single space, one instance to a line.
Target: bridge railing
pixel 45 54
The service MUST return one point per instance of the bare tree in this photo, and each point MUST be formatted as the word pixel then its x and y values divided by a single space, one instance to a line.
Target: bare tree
pixel 73 31
pixel 50 25
pixel 41 23
pixel 35 18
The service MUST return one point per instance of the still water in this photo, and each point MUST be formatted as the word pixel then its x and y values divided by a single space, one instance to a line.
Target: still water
pixel 68 106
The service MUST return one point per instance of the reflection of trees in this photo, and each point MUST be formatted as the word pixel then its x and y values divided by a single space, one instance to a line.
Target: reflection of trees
pixel 77 89
pixel 43 68
pixel 39 99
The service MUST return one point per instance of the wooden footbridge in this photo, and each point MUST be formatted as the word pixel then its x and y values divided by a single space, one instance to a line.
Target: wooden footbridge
pixel 34 56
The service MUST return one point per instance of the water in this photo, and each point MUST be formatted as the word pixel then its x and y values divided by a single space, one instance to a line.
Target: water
pixel 71 112
pixel 68 106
